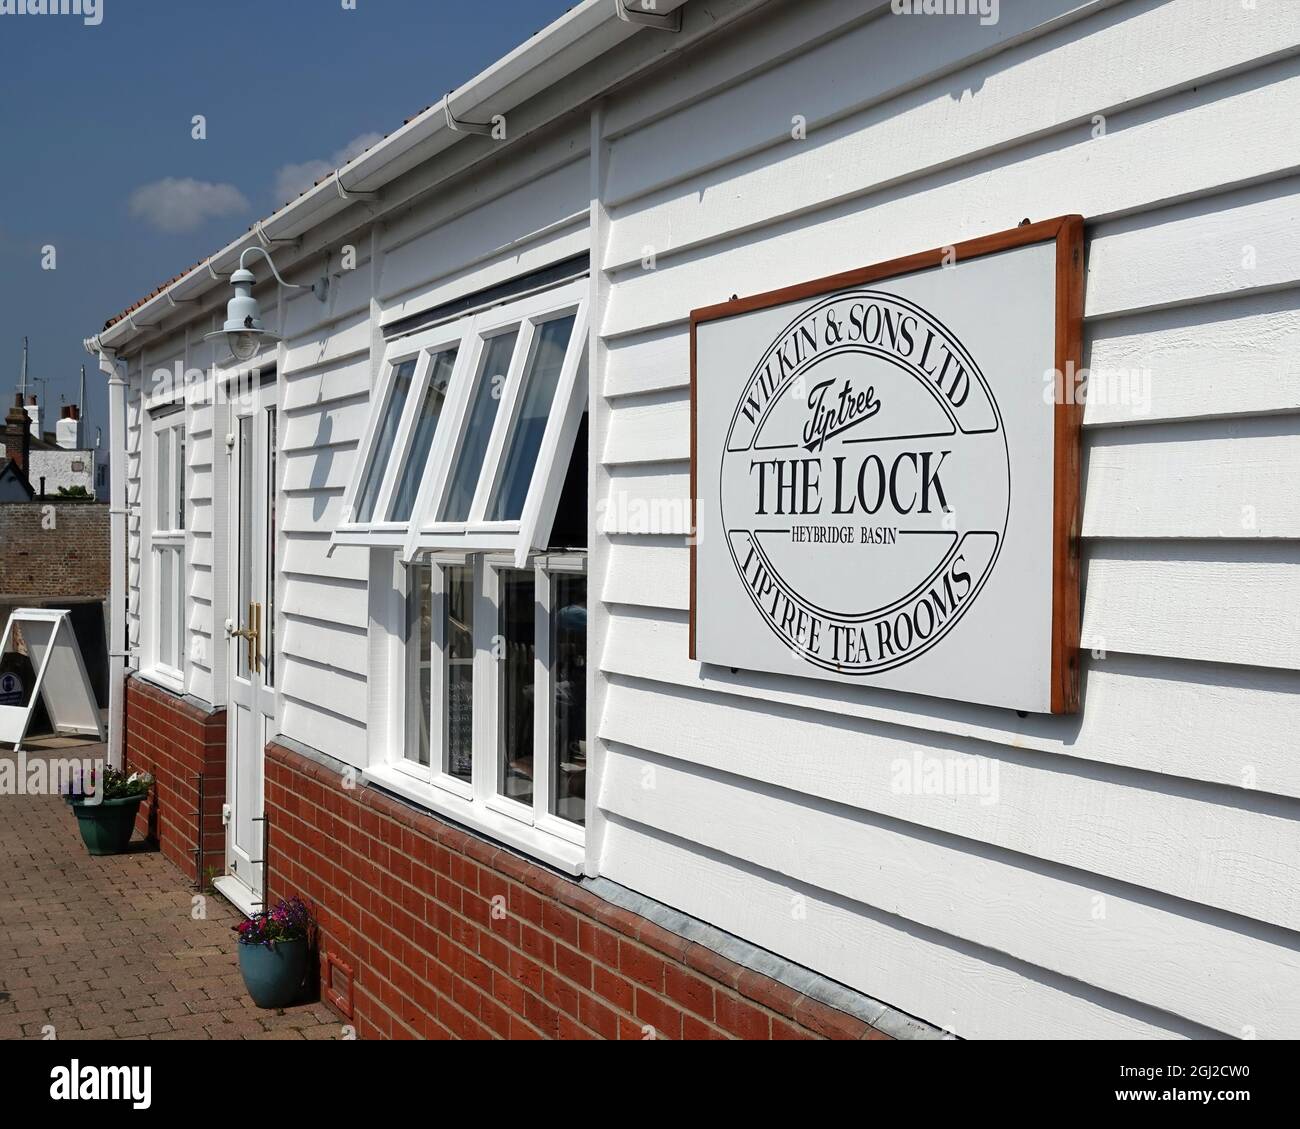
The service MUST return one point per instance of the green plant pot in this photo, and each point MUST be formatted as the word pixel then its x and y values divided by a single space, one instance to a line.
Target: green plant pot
pixel 274 975
pixel 106 828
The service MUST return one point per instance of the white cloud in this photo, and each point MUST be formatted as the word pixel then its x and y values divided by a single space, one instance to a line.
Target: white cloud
pixel 177 204
pixel 293 180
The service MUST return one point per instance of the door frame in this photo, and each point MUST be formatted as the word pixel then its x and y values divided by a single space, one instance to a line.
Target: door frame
pixel 261 701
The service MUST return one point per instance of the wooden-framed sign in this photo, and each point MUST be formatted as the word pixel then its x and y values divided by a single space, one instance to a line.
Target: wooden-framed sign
pixel 885 474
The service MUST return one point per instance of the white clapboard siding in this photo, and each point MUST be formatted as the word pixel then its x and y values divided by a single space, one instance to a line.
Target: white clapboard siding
pixel 649 429
pixel 1172 793
pixel 1234 357
pixel 487 233
pixel 1247 858
pixel 1222 724
pixel 1206 479
pixel 326 644
pixel 349 295
pixel 648 362
pixel 310 554
pixel 313 682
pixel 1207 970
pixel 956 985
pixel 1232 602
pixel 338 422
pixel 340 601
pixel 1237 603
pixel 1117 58
pixel 308 389
pixel 1046 177
pixel 742 99
pixel 331 344
pixel 647 571
pixel 321 728
pixel 324 467
pixel 1249 241
pixel 648 501
pixel 308 513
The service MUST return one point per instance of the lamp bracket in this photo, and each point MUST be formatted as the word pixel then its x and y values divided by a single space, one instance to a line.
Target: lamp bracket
pixel 671 21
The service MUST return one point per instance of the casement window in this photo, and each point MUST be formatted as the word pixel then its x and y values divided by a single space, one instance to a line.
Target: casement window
pixel 490 698
pixel 165 627
pixel 468 423
pixel 470 485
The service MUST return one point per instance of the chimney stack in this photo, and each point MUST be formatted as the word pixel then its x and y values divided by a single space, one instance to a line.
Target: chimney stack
pixel 34 414
pixel 65 431
pixel 17 433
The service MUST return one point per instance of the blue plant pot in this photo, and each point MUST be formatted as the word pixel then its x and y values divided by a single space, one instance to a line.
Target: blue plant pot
pixel 274 975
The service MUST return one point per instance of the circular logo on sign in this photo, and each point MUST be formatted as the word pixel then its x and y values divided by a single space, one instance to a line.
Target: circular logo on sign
pixel 865 483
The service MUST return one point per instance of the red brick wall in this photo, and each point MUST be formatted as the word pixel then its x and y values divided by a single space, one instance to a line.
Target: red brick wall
pixel 407 901
pixel 177 741
pixel 70 559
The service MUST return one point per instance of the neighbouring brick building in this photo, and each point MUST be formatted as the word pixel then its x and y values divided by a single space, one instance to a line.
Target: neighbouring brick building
pixel 54 551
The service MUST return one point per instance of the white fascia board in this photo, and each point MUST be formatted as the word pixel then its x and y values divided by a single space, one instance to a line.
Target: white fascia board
pixel 580 35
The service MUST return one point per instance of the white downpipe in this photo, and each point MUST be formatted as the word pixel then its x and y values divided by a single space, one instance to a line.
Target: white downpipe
pixel 118 662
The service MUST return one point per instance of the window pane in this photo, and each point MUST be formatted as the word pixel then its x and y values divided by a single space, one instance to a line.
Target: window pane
pixel 569 696
pixel 179 568
pixel 384 439
pixel 417 454
pixel 489 386
pixel 180 479
pixel 166 609
pixel 164 516
pixel 419 649
pixel 245 578
pixel 515 713
pixel 268 617
pixel 550 343
pixel 458 634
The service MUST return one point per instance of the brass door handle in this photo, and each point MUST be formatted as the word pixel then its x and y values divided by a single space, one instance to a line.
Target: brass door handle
pixel 252 636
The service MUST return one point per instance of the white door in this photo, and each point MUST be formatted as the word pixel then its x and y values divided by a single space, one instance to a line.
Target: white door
pixel 250 718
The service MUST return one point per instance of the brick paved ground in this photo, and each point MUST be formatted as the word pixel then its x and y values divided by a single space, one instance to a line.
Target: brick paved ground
pixel 107 948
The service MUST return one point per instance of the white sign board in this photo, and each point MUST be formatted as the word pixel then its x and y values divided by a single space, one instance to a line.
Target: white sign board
pixel 61 678
pixel 885 474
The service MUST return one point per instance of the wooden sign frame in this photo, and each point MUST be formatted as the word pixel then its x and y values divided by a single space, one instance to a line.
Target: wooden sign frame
pixel 1067 232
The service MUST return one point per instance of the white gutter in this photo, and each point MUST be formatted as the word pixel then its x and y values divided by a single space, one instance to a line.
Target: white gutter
pixel 118 656
pixel 581 35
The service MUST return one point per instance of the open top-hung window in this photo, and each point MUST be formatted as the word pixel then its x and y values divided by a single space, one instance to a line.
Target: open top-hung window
pixel 471 429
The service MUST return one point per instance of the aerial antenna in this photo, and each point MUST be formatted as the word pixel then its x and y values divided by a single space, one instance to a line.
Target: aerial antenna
pixel 81 412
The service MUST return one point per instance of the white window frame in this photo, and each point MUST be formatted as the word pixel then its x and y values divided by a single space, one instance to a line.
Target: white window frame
pixel 166 520
pixel 477 803
pixel 470 334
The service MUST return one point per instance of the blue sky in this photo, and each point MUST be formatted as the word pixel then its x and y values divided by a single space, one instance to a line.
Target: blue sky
pixel 96 123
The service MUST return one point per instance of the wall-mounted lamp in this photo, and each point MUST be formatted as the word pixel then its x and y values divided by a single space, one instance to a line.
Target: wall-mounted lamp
pixel 244 330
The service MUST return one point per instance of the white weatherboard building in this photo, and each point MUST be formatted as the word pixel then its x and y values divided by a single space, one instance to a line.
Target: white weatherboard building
pixel 442 536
